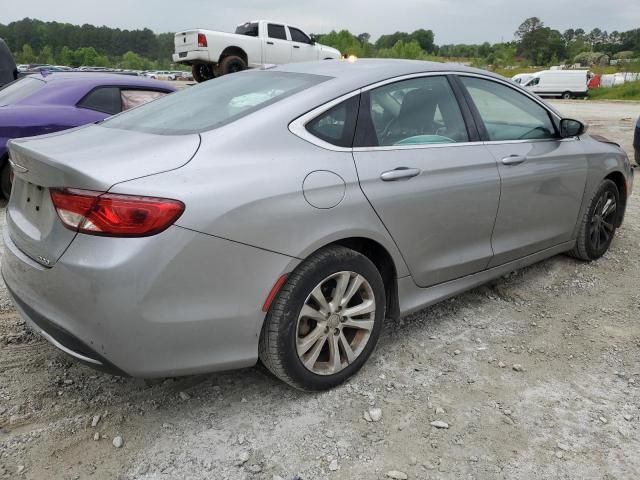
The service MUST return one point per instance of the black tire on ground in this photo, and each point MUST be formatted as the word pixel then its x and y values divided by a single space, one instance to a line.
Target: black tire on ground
pixel 232 64
pixel 278 351
pixel 5 180
pixel 566 95
pixel 598 225
pixel 202 72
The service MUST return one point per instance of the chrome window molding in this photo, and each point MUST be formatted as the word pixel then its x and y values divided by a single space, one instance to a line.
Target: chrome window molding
pixel 298 126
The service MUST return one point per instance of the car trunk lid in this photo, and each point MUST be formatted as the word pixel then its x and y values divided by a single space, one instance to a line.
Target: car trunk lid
pixel 91 158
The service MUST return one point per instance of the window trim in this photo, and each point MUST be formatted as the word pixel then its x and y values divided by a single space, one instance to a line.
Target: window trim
pixel 298 125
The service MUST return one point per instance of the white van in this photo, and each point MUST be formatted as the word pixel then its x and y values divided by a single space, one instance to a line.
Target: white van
pixel 522 78
pixel 559 83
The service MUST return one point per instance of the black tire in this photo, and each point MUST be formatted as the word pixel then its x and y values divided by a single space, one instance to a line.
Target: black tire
pixel 594 241
pixel 5 180
pixel 232 64
pixel 566 96
pixel 202 72
pixel 278 351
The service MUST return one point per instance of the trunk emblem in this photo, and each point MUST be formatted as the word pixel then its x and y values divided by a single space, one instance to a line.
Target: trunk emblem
pixel 17 167
pixel 46 261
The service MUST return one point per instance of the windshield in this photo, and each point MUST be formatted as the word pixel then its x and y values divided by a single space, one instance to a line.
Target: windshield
pixel 248 29
pixel 214 103
pixel 19 90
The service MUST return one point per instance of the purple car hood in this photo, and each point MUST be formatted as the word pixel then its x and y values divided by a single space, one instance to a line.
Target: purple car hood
pixel 96 158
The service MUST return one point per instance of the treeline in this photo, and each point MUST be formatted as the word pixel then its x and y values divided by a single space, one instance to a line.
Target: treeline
pixel 533 44
pixel 74 45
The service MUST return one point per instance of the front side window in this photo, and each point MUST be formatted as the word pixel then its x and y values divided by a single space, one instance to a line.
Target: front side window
pixel 299 36
pixel 411 112
pixel 211 105
pixel 277 31
pixel 103 99
pixel 508 114
pixel 337 125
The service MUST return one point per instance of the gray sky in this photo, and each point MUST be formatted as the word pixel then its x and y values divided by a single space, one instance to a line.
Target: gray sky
pixel 453 21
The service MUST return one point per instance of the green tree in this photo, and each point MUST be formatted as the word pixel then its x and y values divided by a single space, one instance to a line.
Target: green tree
pixel 46 55
pixel 132 61
pixel 26 55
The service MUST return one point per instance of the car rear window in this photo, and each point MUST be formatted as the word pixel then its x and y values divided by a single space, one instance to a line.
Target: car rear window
pixel 248 29
pixel 214 103
pixel 19 90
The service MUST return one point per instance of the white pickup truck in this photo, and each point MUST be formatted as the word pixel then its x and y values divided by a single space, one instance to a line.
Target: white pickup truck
pixel 254 44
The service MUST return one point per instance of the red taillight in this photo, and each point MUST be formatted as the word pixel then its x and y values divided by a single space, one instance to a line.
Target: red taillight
pixel 114 215
pixel 202 40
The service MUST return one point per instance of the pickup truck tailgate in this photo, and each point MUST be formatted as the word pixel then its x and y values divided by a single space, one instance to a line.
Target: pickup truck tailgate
pixel 186 41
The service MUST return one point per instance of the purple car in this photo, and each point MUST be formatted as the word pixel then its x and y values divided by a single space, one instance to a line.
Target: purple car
pixel 39 104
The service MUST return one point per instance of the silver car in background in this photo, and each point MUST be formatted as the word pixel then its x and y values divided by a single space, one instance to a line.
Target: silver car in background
pixel 283 214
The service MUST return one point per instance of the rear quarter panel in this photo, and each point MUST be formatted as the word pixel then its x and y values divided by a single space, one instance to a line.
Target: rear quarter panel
pixel 246 184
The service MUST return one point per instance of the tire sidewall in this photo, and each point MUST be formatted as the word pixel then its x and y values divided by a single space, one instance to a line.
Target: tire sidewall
pixel 229 63
pixel 300 291
pixel 607 185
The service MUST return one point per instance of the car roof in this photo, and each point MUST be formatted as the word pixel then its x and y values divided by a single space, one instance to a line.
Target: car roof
pixel 100 78
pixel 372 70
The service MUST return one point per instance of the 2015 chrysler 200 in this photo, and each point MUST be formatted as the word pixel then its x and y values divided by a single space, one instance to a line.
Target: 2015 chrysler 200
pixel 284 214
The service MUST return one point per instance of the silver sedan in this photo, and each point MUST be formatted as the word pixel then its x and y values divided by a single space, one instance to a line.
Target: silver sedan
pixel 284 214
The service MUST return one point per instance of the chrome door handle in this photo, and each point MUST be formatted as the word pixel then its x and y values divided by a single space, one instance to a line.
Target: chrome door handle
pixel 513 160
pixel 400 173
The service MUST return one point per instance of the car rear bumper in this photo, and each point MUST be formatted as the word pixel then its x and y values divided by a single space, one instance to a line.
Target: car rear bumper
pixel 192 56
pixel 178 303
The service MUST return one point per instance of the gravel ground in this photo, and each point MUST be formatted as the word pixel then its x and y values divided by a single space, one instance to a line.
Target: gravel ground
pixel 533 376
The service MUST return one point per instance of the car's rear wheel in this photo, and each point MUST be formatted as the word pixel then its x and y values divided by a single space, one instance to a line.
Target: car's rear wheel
pixel 325 321
pixel 5 180
pixel 232 64
pixel 566 95
pixel 202 72
pixel 599 223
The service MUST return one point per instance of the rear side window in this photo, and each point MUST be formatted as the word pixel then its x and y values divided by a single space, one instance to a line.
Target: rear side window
pixel 248 29
pixel 419 111
pixel 337 126
pixel 135 98
pixel 211 105
pixel 299 36
pixel 103 99
pixel 508 114
pixel 19 90
pixel 277 31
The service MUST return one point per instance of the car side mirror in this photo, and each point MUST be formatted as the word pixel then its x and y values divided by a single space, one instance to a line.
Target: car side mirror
pixel 571 128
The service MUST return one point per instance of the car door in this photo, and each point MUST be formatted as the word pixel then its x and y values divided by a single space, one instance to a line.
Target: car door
pixel 277 46
pixel 543 176
pixel 433 186
pixel 303 49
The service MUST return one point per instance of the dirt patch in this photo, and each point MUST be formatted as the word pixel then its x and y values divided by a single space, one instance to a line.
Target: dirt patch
pixel 535 376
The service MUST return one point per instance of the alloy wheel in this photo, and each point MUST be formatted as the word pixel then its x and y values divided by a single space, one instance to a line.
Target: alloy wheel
pixel 335 323
pixel 603 221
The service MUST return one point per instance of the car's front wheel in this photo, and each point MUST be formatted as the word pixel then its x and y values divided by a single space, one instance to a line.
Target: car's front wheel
pixel 599 223
pixel 325 321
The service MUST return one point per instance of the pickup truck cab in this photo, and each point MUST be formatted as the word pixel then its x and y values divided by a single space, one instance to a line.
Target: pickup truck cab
pixel 253 44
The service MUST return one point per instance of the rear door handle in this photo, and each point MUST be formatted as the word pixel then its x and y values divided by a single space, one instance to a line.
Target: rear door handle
pixel 269 43
pixel 514 160
pixel 400 173
pixel 296 46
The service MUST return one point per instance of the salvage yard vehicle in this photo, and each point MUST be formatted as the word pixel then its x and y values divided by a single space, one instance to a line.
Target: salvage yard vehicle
pixel 162 242
pixel 559 83
pixel 254 44
pixel 39 104
pixel 8 69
